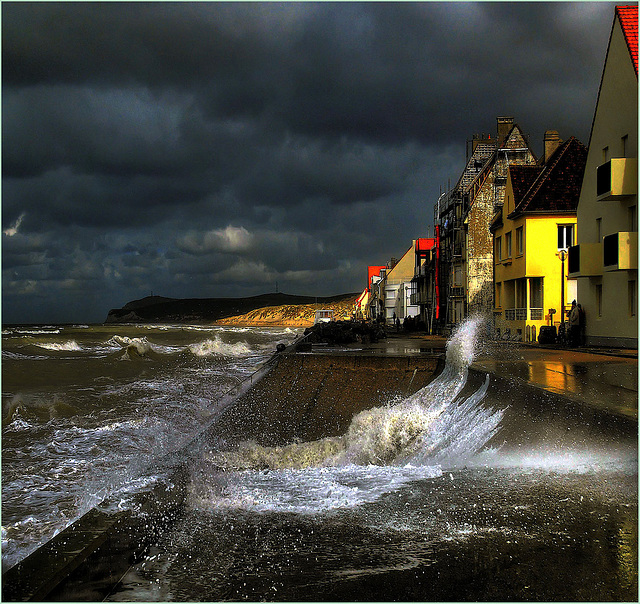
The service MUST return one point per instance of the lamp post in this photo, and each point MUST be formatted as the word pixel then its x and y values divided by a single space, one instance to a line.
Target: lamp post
pixel 563 255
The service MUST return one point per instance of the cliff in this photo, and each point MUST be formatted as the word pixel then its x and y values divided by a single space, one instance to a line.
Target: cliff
pixel 157 309
pixel 293 315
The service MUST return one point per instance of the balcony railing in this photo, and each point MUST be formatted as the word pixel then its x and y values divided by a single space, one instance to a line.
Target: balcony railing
pixel 620 251
pixel 537 314
pixel 617 178
pixel 515 314
pixel 585 260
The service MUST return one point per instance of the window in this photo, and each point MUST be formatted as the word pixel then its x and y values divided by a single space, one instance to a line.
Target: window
pixel 624 144
pixel 498 250
pixel 632 218
pixel 507 243
pixel 498 295
pixel 633 301
pixel 519 241
pixel 605 154
pixel 536 302
pixel 565 236
pixel 599 300
pixel 598 230
pixel 457 275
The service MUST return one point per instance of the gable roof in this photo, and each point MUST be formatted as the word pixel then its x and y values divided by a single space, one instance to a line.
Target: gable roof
pixel 514 140
pixel 628 17
pixel 556 186
pixel 522 177
pixel 478 160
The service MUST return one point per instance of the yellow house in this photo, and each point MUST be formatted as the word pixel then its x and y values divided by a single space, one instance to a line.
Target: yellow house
pixel 605 261
pixel 531 233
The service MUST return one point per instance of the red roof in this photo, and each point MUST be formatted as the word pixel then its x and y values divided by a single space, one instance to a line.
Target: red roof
pixel 628 16
pixel 424 245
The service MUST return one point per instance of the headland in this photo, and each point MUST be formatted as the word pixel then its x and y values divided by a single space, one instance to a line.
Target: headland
pixel 275 309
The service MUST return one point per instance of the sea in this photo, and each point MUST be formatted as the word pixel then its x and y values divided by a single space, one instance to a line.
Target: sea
pixel 87 409
pixel 455 492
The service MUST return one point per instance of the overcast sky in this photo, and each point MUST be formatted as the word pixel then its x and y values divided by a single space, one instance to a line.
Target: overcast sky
pixel 213 149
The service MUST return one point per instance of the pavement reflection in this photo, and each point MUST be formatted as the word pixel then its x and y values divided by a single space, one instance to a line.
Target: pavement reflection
pixel 603 381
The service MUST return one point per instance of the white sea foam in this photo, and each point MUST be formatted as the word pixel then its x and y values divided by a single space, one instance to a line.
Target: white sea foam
pixel 138 346
pixel 69 345
pixel 304 491
pixel 30 331
pixel 217 347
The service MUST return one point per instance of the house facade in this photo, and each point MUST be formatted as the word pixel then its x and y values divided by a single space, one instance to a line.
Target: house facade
pixel 464 216
pixel 425 280
pixel 531 234
pixel 375 276
pixel 605 259
pixel 398 288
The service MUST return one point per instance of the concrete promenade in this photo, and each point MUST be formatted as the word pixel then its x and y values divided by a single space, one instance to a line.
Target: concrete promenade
pixel 605 379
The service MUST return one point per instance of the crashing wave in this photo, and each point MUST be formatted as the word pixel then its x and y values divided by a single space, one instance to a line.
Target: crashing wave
pixel 217 347
pixel 429 427
pixel 68 346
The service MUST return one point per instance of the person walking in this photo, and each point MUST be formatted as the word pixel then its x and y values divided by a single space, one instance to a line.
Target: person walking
pixel 574 324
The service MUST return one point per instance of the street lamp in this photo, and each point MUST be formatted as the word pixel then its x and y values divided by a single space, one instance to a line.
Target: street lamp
pixel 563 256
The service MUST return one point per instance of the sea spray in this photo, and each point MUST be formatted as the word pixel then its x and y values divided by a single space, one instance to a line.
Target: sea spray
pixel 217 347
pixel 408 439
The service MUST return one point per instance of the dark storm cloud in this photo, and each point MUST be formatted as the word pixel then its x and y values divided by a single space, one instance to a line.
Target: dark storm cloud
pixel 211 149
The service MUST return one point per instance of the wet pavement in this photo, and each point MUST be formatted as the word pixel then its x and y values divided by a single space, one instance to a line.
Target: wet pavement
pixel 604 379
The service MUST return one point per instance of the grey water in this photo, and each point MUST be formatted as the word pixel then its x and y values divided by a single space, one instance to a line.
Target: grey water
pixel 457 492
pixel 87 410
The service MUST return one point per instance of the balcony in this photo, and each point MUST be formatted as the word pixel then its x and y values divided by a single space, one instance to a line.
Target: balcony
pixel 617 179
pixel 585 260
pixel 620 251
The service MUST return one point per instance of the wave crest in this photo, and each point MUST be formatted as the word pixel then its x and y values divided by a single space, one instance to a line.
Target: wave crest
pixel 217 347
pixel 68 346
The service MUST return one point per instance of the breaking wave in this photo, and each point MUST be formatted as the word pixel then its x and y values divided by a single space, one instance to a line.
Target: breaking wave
pixel 69 346
pixel 217 347
pixel 415 437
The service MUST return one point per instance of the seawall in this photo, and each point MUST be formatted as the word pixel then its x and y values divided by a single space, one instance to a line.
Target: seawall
pixel 307 396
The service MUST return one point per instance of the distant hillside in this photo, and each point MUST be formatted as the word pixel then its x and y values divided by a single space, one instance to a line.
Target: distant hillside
pixel 293 315
pixel 156 309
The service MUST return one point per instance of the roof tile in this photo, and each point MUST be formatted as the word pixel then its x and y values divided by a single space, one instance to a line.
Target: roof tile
pixel 628 16
pixel 556 186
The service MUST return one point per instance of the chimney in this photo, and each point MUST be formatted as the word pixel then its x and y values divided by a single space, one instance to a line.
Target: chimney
pixel 504 127
pixel 552 141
